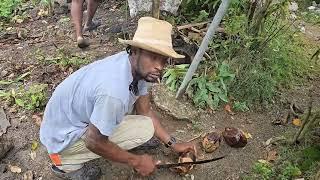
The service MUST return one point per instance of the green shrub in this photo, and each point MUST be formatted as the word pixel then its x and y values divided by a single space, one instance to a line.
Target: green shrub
pixel 7 8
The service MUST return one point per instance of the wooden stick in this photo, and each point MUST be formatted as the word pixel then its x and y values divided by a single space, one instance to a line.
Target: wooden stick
pixel 306 120
pixel 192 25
pixel 195 30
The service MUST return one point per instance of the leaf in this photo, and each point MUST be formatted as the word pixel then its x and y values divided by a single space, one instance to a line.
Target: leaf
pixel 23 76
pixel 34 145
pixel 247 135
pixel 19 102
pixel 170 79
pixel 223 97
pixel 296 122
pixel 263 161
pixel 216 100
pixel 15 169
pixel 167 73
pixel 213 88
pixel 28 175
pixel 272 156
pixel 227 108
pixel 2 82
pixel 33 155
pixel 224 87
pixel 37 118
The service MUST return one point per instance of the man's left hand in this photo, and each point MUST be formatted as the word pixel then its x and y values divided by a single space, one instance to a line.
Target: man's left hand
pixel 183 147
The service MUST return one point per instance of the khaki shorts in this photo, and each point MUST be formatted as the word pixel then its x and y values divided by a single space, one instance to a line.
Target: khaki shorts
pixel 133 131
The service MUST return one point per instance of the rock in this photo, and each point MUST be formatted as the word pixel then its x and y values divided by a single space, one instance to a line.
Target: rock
pixel 28 175
pixel 4 123
pixel 135 6
pixel 311 8
pixel 293 6
pixel 4 73
pixel 165 101
pixel 5 147
pixel 314 4
pixel 3 168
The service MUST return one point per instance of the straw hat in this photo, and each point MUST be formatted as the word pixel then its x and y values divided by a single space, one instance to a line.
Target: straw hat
pixel 153 35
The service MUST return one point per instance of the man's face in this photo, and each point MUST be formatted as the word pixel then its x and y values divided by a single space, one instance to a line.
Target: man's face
pixel 150 65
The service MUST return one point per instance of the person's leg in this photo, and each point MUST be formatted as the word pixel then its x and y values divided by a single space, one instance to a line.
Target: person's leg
pixel 132 132
pixel 92 6
pixel 77 15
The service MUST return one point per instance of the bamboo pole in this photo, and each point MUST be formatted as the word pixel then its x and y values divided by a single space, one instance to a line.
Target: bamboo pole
pixel 204 46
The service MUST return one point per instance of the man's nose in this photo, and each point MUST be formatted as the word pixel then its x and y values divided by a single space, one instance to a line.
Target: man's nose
pixel 159 66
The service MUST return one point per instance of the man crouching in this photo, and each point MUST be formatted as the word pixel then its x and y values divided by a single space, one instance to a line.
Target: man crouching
pixel 88 115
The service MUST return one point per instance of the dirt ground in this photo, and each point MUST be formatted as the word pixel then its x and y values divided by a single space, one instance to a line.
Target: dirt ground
pixel 48 34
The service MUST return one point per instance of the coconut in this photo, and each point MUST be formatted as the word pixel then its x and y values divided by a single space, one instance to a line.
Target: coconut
pixel 234 137
pixel 211 141
pixel 188 156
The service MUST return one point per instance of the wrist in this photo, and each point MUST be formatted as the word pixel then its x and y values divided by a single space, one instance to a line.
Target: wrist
pixel 133 160
pixel 171 142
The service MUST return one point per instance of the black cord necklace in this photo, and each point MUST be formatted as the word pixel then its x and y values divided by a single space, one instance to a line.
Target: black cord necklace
pixel 133 87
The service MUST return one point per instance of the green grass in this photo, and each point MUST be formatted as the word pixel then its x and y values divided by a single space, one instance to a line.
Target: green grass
pixel 293 162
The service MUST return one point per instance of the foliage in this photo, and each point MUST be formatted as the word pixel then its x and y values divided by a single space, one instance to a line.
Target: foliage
pixel 174 75
pixel 21 77
pixel 311 17
pixel 7 8
pixel 240 106
pixel 198 10
pixel 264 170
pixel 31 98
pixel 64 59
pixel 255 45
pixel 208 90
pixel 293 162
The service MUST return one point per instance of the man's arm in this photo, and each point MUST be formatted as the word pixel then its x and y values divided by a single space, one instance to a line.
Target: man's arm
pixel 143 107
pixel 99 144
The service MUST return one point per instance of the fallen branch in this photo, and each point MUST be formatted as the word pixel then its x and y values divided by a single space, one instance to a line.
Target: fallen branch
pixel 306 120
pixel 197 137
pixel 186 39
pixel 187 26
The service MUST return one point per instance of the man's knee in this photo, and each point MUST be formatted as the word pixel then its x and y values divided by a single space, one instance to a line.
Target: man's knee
pixel 147 125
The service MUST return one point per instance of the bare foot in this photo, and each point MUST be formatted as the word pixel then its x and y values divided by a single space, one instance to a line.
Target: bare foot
pixel 82 43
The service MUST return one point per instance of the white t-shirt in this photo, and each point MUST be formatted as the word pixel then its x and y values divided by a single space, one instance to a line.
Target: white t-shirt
pixel 97 93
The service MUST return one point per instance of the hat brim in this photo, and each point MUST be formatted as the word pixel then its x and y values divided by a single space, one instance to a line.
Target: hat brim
pixel 165 51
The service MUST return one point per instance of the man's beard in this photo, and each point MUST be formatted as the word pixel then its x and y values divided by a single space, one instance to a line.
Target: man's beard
pixel 147 77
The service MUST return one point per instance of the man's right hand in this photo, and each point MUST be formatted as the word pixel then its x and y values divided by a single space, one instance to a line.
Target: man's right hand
pixel 145 164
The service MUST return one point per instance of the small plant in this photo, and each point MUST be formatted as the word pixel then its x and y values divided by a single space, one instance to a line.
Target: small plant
pixel 311 17
pixel 63 58
pixel 7 8
pixel 208 90
pixel 289 171
pixel 240 106
pixel 19 78
pixel 198 10
pixel 262 170
pixel 174 75
pixel 31 98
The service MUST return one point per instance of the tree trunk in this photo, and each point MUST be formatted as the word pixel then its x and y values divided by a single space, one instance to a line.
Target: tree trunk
pixel 156 9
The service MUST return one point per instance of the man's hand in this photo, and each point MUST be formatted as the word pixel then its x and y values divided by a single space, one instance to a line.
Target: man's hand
pixel 145 165
pixel 183 147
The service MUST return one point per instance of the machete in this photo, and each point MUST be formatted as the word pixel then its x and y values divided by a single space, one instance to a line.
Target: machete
pixel 161 166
